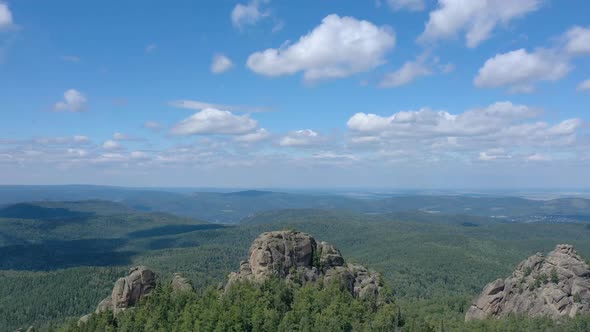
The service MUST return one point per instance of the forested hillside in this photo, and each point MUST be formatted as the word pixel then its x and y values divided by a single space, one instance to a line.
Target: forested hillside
pixel 434 265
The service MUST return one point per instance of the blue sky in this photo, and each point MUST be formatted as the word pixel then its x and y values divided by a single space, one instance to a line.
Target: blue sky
pixel 270 93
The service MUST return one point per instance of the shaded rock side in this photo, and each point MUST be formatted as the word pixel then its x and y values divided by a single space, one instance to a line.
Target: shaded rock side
pixel 298 257
pixel 554 286
pixel 127 291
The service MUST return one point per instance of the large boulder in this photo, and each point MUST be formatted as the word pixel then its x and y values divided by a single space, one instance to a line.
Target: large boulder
pixel 127 292
pixel 298 257
pixel 181 284
pixel 554 286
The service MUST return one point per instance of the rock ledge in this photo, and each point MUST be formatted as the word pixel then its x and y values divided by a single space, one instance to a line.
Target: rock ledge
pixel 554 286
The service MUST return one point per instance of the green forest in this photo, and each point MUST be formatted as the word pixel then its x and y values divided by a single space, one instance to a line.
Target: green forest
pixel 433 266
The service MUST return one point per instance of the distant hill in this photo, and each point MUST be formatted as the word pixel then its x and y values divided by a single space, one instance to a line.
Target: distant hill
pixel 231 207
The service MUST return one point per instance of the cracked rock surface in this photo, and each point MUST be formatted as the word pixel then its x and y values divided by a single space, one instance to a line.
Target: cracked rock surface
pixel 298 257
pixel 554 286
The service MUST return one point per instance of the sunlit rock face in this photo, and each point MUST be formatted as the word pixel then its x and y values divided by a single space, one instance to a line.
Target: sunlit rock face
pixel 298 257
pixel 554 286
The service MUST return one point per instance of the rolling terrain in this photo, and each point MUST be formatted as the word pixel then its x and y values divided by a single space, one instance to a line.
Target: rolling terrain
pixel 59 258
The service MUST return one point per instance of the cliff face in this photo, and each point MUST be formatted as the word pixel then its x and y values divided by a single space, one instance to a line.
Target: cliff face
pixel 298 257
pixel 554 286
pixel 127 292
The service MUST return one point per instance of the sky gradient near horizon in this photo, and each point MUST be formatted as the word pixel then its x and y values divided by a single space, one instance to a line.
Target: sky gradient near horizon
pixel 273 93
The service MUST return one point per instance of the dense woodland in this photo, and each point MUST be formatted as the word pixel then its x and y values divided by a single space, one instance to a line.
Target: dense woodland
pixel 434 265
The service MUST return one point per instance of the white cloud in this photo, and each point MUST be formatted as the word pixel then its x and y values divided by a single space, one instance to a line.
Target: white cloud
pixel 6 20
pixel 150 48
pixel 214 121
pixel 248 14
pixel 153 125
pixel 584 86
pixel 199 105
pixel 493 154
pixel 539 157
pixel 410 71
pixel 221 64
pixel 257 136
pixel 138 155
pixel 77 152
pixel 411 5
pixel 111 145
pixel 74 101
pixel 338 47
pixel 499 121
pixel 301 138
pixel 520 69
pixel 120 137
pixel 577 41
pixel 478 18
pixel 71 140
pixel 81 139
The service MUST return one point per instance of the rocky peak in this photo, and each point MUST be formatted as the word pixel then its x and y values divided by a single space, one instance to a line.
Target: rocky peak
pixel 554 286
pixel 127 292
pixel 298 257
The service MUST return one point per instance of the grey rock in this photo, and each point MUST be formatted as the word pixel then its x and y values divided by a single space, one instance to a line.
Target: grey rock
pixel 139 282
pixel 555 286
pixel 180 284
pixel 127 292
pixel 298 257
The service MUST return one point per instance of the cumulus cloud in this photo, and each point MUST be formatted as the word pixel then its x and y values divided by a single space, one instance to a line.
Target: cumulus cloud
pixel 411 5
pixel 121 137
pixel 77 152
pixel 74 101
pixel 257 136
pixel 199 105
pixel 301 138
pixel 338 47
pixel 499 123
pixel 410 71
pixel 248 14
pixel 538 157
pixel 111 145
pixel 6 20
pixel 214 121
pixel 477 18
pixel 221 64
pixel 519 70
pixel 577 41
pixel 493 154
pixel 584 86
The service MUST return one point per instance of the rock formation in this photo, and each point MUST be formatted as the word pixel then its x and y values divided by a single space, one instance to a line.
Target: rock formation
pixel 127 292
pixel 180 284
pixel 554 286
pixel 297 257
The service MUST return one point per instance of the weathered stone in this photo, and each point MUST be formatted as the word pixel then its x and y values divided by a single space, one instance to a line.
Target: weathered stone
pixel 84 319
pixel 297 257
pixel 554 286
pixel 180 284
pixel 127 292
